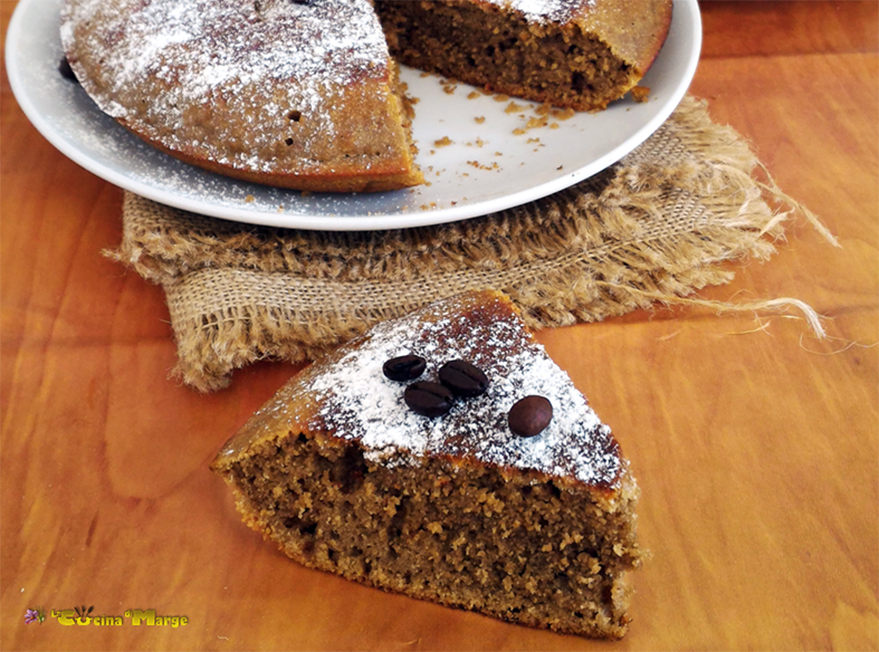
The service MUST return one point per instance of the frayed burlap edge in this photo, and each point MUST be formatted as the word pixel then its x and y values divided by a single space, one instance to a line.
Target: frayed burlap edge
pixel 657 227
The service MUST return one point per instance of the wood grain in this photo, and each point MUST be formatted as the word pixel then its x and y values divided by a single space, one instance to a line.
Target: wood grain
pixel 755 443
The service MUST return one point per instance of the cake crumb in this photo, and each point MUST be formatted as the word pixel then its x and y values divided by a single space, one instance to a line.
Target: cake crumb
pixel 535 123
pixel 472 95
pixel 250 199
pixel 563 114
pixel 512 107
pixel 479 119
pixel 449 86
pixel 445 141
pixel 480 166
pixel 640 94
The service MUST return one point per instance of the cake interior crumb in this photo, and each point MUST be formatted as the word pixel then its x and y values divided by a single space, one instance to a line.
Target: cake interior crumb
pixel 519 548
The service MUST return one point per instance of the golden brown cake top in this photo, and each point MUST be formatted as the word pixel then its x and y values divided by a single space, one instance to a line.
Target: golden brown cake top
pixel 228 80
pixel 349 396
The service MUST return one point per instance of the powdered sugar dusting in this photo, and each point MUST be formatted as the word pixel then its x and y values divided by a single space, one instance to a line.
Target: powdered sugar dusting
pixel 359 402
pixel 209 63
pixel 545 11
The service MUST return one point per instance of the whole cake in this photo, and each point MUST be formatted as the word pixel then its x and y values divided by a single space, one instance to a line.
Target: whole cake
pixel 445 456
pixel 304 94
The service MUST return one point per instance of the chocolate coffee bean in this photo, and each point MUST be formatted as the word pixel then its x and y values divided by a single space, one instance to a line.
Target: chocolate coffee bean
pixel 406 367
pixel 428 398
pixel 530 416
pixel 463 378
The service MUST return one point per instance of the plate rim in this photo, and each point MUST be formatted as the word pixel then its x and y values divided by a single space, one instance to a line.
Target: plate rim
pixel 684 10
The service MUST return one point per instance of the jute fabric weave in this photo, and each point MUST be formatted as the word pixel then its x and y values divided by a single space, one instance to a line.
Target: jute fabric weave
pixel 656 227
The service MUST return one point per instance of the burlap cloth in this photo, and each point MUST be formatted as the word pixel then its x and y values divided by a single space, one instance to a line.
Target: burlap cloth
pixel 658 226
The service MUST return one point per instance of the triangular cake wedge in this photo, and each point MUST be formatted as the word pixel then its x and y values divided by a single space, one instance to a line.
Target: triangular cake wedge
pixel 476 508
pixel 300 95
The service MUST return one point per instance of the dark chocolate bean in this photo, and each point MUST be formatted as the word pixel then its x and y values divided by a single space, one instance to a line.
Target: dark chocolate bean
pixel 428 399
pixel 463 378
pixel 406 367
pixel 529 416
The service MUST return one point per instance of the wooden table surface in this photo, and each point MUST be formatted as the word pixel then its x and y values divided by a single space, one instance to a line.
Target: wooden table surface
pixel 754 442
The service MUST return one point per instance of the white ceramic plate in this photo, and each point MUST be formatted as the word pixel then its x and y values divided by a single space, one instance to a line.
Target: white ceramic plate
pixel 491 164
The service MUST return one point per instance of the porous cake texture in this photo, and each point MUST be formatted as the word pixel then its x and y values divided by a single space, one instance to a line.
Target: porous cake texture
pixel 519 509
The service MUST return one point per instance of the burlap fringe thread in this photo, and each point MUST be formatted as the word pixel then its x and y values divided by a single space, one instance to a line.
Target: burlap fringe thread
pixel 654 228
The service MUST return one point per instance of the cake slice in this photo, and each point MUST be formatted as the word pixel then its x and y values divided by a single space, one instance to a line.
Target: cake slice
pixel 304 94
pixel 581 54
pixel 445 456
